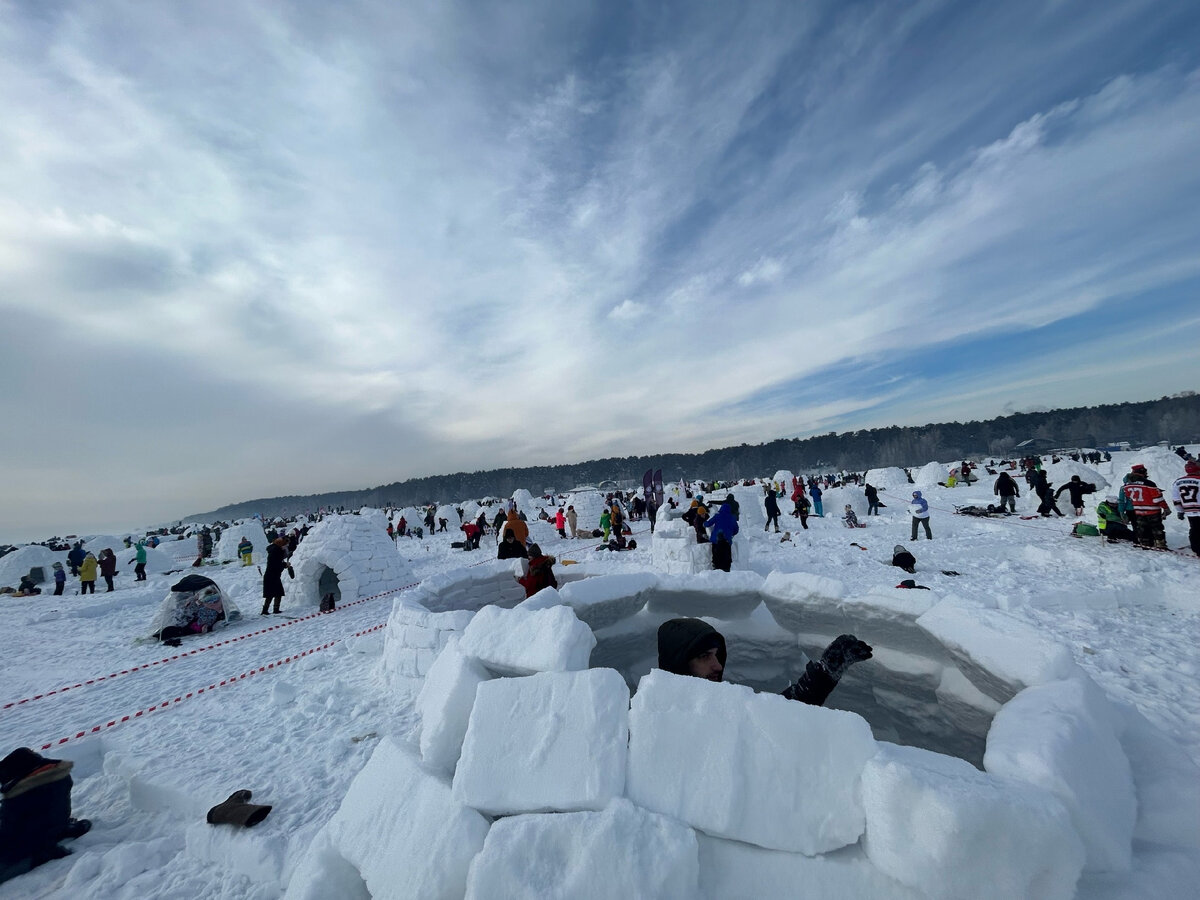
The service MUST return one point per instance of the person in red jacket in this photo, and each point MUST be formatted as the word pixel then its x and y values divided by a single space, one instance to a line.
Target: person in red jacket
pixel 1144 504
pixel 540 574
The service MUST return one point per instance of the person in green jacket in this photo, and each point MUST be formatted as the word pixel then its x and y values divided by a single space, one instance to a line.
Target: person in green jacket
pixel 605 522
pixel 1110 522
pixel 140 558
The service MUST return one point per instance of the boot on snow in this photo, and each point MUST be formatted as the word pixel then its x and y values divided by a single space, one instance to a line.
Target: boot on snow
pixel 238 810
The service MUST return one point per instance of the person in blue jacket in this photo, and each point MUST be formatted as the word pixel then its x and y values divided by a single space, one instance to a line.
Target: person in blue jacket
pixel 815 492
pixel 920 514
pixel 722 526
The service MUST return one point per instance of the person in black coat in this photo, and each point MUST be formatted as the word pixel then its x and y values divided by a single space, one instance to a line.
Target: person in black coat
pixel 1043 488
pixel 772 505
pixel 1076 487
pixel 511 548
pixel 1007 490
pixel 35 812
pixel 273 576
pixel 872 495
pixel 75 557
pixel 693 647
pixel 902 559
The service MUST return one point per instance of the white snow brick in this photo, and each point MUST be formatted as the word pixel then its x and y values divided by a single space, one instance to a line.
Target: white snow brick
pixel 1167 783
pixel 731 870
pixel 401 828
pixel 543 599
pixel 964 704
pixel 725 595
pixel 752 767
pixel 555 741
pixel 999 654
pixel 802 602
pixel 414 636
pixel 521 642
pixel 942 827
pixel 621 853
pixel 444 705
pixel 1061 737
pixel 493 583
pixel 607 599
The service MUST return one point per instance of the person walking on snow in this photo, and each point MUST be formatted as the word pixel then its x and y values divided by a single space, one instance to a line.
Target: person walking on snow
pixel 245 550
pixel 560 522
pixel 920 515
pixel 108 568
pixel 273 576
pixel 772 505
pixel 1144 504
pixel 60 579
pixel 139 557
pixel 872 495
pixel 1007 489
pixel 815 492
pixel 1185 494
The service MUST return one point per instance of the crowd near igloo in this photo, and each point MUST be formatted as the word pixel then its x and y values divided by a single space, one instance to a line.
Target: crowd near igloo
pixel 526 744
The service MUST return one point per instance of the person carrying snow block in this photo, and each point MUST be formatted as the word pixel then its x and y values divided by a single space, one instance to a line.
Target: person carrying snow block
pixel 693 647
pixel 1185 494
pixel 1076 487
pixel 1144 504
pixel 35 811
pixel 920 514
pixel 246 551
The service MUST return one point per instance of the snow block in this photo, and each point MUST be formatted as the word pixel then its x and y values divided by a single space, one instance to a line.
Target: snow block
pixel 731 870
pixel 620 853
pixel 1000 655
pixel 415 636
pixel 802 602
pixel 550 742
pixel 401 828
pixel 942 827
pixel 891 621
pixel 969 708
pixel 445 704
pixel 521 642
pixel 493 583
pixel 1167 783
pixel 607 599
pixel 752 767
pixel 725 595
pixel 1061 738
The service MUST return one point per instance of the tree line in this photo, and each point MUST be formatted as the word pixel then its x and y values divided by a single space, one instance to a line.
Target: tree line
pixel 1174 419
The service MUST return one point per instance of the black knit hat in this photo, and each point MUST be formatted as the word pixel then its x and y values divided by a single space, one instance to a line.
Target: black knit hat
pixel 682 640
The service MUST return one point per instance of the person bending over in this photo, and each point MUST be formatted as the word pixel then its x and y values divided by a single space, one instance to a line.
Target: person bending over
pixel 693 647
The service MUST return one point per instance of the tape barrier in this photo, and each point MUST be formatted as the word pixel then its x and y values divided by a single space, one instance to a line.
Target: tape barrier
pixel 158 662
pixel 166 704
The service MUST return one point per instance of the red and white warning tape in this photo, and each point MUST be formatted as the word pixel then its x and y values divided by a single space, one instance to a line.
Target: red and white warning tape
pixel 113 723
pixel 158 662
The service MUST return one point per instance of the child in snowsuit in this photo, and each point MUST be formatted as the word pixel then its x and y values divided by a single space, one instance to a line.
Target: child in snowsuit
pixel 850 519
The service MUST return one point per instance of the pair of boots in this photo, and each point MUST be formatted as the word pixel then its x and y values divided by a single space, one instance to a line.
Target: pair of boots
pixel 266 610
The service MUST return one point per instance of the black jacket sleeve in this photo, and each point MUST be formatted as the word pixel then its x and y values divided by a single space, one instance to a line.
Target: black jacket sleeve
pixel 813 687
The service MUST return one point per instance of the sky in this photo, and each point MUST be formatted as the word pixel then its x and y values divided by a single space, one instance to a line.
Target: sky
pixel 256 249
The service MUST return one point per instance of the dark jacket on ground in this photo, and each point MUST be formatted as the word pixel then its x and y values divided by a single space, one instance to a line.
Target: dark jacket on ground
pixel 682 640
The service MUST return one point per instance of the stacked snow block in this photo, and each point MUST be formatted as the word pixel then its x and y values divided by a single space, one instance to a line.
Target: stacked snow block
pixel 522 642
pixel 723 595
pixel 607 599
pixel 357 550
pixel 421 847
pixel 415 636
pixel 492 584
pixel 749 767
pixel 675 551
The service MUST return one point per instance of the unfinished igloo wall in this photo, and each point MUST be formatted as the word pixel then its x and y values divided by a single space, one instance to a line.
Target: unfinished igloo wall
pixel 792 795
pixel 350 556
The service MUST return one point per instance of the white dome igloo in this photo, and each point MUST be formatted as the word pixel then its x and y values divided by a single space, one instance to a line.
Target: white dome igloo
pixel 348 556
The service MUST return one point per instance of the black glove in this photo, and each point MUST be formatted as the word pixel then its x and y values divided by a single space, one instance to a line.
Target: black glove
pixel 845 651
pixel 1181 516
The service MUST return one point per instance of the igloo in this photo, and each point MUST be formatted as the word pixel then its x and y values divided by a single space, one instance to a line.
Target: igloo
pixel 252 530
pixel 1052 781
pixel 350 557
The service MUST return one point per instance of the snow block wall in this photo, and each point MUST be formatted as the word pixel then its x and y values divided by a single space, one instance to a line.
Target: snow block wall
pixel 252 530
pixel 350 556
pixel 760 795
pixel 415 636
pixel 492 584
pixel 675 551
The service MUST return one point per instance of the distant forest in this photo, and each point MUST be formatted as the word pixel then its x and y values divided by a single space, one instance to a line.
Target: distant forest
pixel 1175 419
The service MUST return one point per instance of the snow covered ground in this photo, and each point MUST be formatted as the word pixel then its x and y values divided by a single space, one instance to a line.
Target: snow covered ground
pixel 295 708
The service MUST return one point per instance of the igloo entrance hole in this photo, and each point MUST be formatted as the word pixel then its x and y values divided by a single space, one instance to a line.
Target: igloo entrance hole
pixel 327 583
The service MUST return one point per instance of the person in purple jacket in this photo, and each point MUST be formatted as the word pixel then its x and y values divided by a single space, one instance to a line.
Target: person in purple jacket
pixel 920 515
